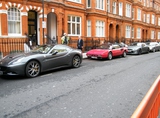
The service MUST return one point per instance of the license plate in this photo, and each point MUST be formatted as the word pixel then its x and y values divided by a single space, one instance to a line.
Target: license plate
pixel 93 57
pixel 1 72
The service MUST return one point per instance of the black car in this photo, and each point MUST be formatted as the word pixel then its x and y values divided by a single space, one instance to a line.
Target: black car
pixel 42 58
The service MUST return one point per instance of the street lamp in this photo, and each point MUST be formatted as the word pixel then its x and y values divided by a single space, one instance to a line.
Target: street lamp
pixel 43 19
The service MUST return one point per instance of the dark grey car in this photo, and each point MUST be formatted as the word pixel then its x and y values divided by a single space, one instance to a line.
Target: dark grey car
pixel 42 58
pixel 153 46
pixel 138 48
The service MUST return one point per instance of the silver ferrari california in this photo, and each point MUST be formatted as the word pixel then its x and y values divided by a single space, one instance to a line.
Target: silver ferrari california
pixel 42 58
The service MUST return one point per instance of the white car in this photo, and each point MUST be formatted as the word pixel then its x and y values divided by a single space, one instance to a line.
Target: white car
pixel 153 46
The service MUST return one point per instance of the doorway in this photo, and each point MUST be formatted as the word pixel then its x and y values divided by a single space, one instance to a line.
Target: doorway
pixel 32 26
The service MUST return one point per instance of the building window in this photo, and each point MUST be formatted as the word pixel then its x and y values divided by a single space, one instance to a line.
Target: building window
pixel 88 28
pixel 148 18
pixel 100 4
pixel 114 8
pixel 88 3
pixel 152 34
pixel 74 25
pixel 128 10
pixel 145 2
pixel 100 29
pixel 158 21
pixel 108 5
pixel 14 21
pixel 132 32
pixel 133 13
pixel 139 33
pixel 128 32
pixel 138 14
pixel 158 35
pixel 79 1
pixel 144 17
pixel 121 9
pixel 153 19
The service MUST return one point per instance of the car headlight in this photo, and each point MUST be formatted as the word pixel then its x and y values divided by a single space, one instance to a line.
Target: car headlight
pixel 16 61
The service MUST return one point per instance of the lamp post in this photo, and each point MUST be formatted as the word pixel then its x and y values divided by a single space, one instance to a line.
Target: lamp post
pixel 43 19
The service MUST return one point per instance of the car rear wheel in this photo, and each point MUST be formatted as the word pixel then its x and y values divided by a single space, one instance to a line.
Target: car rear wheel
pixel 140 52
pixel 124 54
pixel 109 55
pixel 154 50
pixel 76 61
pixel 33 69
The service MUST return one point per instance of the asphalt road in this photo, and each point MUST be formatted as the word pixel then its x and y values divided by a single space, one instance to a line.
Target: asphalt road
pixel 98 89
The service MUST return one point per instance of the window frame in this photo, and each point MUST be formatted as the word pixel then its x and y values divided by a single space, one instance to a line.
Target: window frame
pixel 10 15
pixel 128 10
pixel 138 33
pixel 139 11
pixel 88 6
pixel 77 1
pixel 114 7
pixel 100 28
pixel 100 4
pixel 74 24
pixel 128 31
pixel 89 28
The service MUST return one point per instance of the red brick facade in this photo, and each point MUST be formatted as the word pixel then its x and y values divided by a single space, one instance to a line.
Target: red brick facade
pixel 114 26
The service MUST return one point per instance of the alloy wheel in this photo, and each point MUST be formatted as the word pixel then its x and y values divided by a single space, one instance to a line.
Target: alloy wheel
pixel 33 69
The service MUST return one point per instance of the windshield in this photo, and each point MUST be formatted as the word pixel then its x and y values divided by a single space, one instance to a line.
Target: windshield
pixel 42 49
pixel 103 46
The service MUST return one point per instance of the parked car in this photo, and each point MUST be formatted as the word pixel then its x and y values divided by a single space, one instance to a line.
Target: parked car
pixel 42 58
pixel 153 46
pixel 138 48
pixel 106 51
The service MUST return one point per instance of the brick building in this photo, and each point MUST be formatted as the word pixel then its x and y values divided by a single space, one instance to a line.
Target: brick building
pixel 97 21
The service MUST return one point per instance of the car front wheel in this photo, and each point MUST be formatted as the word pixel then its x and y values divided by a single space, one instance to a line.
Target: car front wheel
pixel 109 55
pixel 76 61
pixel 33 69
pixel 124 54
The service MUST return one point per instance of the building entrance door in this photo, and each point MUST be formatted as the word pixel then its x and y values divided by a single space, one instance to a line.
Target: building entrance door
pixel 32 27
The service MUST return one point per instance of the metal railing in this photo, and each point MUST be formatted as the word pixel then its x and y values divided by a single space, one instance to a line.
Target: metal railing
pixel 150 105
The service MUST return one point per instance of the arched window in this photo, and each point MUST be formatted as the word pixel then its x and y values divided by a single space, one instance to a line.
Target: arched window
pixel 14 21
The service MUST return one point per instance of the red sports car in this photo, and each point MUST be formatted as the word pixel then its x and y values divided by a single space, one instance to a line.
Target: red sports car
pixel 106 51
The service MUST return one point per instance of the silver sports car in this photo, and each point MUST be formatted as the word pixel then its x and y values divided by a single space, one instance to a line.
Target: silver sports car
pixel 138 48
pixel 42 58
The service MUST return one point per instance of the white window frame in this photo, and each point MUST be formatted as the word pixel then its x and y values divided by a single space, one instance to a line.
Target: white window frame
pixel 133 13
pixel 108 5
pixel 158 21
pixel 128 31
pixel 132 32
pixel 152 34
pixel 153 19
pixel 114 9
pixel 100 4
pixel 89 28
pixel 14 19
pixel 158 35
pixel 120 8
pixel 144 17
pixel 77 1
pixel 100 28
pixel 74 24
pixel 128 10
pixel 88 3
pixel 138 33
pixel 145 2
pixel 148 18
pixel 139 14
